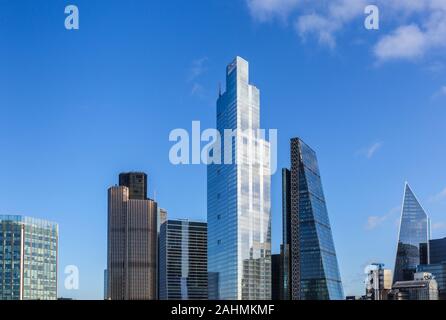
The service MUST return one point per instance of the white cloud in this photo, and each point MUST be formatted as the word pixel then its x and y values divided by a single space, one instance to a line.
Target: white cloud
pixel 407 42
pixel 375 221
pixel 370 151
pixel 318 25
pixel 198 68
pixel 440 93
pixel 439 196
pixel 439 226
pixel 264 10
pixel 419 26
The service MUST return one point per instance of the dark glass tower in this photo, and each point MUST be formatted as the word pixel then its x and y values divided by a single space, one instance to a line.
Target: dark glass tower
pixel 413 242
pixel 311 261
pixel 183 260
pixel 137 184
pixel 437 250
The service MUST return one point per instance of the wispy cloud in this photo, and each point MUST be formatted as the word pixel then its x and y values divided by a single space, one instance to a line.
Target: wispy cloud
pixel 439 196
pixel 198 68
pixel 370 151
pixel 440 93
pixel 264 10
pixel 374 222
pixel 419 26
pixel 439 226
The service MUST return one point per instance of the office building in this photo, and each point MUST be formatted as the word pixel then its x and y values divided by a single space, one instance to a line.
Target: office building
pixel 276 277
pixel 28 258
pixel 132 246
pixel 238 194
pixel 162 217
pixel 438 271
pixel 378 282
pixel 137 184
pixel 437 251
pixel 422 287
pixel 183 260
pixel 413 242
pixel 311 265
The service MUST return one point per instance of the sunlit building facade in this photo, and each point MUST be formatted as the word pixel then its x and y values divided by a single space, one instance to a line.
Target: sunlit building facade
pixel 413 241
pixel 132 245
pixel 238 200
pixel 28 258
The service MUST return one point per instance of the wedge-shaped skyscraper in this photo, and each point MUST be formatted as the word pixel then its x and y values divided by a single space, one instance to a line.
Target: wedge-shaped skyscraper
pixel 310 262
pixel 413 241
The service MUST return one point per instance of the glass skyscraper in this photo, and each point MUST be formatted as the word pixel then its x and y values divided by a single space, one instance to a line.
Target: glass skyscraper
pixel 310 262
pixel 28 258
pixel 238 199
pixel 413 242
pixel 183 260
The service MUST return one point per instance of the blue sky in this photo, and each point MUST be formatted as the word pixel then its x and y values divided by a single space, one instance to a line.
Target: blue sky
pixel 79 107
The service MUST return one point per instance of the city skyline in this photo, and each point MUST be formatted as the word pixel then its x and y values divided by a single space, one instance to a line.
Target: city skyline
pixel 68 138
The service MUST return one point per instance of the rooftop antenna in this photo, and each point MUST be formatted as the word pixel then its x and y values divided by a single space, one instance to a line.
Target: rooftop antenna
pixel 219 89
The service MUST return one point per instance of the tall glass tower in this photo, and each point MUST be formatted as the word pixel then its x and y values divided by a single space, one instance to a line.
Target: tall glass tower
pixel 238 200
pixel 310 262
pixel 413 241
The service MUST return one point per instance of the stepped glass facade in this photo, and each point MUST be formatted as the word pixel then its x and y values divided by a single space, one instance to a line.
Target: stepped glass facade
pixel 238 199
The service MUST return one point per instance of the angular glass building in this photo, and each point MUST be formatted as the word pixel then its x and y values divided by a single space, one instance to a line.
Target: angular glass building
pixel 28 258
pixel 310 262
pixel 413 240
pixel 238 199
pixel 183 260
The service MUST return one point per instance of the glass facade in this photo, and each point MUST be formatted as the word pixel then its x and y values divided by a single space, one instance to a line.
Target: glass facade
pixel 28 258
pixel 438 270
pixel 312 262
pixel 413 242
pixel 238 200
pixel 183 260
pixel 437 251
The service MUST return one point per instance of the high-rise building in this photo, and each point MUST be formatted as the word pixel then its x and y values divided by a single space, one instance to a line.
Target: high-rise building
pixel 276 277
pixel 183 260
pixel 438 271
pixel 28 258
pixel 162 217
pixel 137 184
pixel 286 235
pixel 413 242
pixel 378 282
pixel 311 266
pixel 437 251
pixel 132 246
pixel 422 287
pixel 238 199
